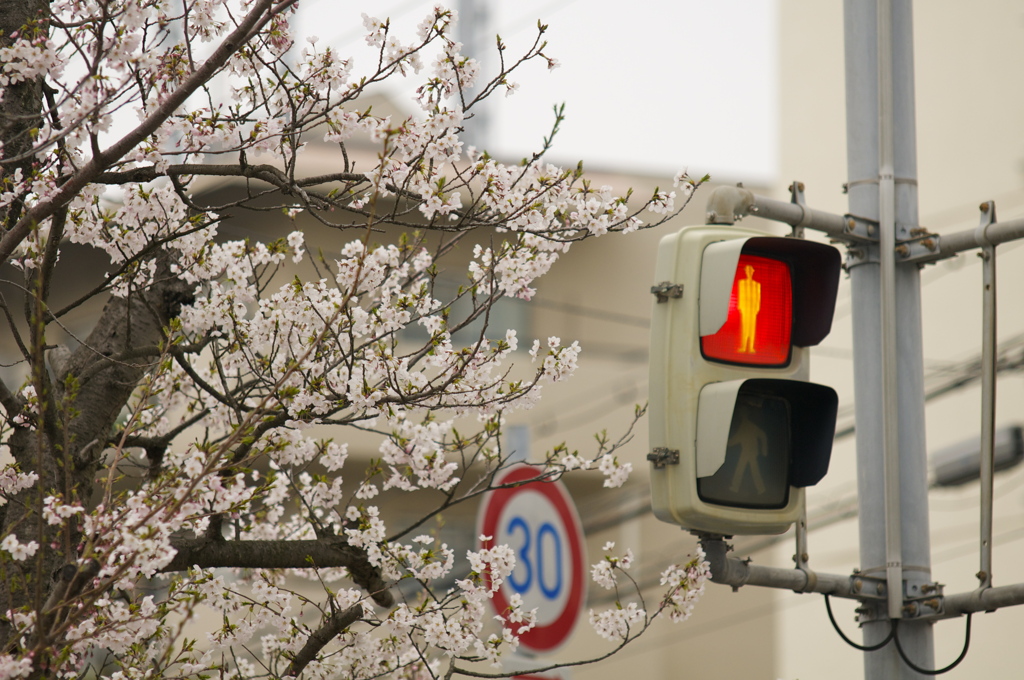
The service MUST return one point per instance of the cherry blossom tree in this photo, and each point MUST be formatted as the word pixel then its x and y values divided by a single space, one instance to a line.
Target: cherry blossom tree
pixel 188 454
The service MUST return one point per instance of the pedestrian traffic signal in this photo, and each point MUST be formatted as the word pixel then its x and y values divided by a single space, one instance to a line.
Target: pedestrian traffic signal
pixel 737 432
pixel 737 342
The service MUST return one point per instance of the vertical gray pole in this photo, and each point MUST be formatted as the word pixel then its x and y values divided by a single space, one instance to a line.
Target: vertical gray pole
pixel 474 32
pixel 887 303
pixel 988 400
pixel 864 166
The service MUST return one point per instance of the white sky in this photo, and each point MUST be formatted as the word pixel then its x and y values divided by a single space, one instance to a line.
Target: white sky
pixel 651 86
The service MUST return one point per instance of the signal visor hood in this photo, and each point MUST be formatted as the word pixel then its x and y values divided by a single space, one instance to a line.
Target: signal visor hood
pixel 814 269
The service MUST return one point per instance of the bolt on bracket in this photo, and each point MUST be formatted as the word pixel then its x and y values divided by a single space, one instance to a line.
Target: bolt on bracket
pixel 926 603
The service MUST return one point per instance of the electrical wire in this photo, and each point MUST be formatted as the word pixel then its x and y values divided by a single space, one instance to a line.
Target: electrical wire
pixel 937 671
pixel 864 648
pixel 894 636
pixel 730 621
pixel 955 377
pixel 594 313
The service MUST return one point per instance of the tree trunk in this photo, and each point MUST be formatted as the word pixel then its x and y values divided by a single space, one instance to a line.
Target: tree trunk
pixel 22 103
pixel 65 445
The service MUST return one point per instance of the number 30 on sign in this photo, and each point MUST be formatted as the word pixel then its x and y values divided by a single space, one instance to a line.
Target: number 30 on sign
pixel 538 521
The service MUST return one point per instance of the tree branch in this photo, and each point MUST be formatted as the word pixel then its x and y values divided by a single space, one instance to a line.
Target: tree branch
pixel 282 554
pixel 72 580
pixel 105 384
pixel 267 173
pixel 10 401
pixel 333 625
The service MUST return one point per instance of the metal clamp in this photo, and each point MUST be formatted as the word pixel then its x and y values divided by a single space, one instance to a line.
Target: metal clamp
pixel 929 604
pixel 988 218
pixel 921 248
pixel 666 290
pixel 860 254
pixel 796 197
pixel 661 457
pixel 860 230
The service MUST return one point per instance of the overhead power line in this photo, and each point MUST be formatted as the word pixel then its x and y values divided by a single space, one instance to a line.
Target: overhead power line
pixel 1010 358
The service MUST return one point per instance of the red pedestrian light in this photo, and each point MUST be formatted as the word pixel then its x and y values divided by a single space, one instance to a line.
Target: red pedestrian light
pixel 758 328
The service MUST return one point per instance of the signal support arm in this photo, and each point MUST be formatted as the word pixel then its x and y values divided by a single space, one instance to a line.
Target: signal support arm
pixel 735 572
pixel 728 205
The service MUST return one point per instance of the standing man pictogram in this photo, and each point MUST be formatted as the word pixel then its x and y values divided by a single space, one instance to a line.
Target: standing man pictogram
pixel 749 304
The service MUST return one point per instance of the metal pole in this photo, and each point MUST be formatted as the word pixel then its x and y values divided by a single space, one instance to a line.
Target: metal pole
pixel 727 205
pixel 887 303
pixel 866 175
pixel 474 32
pixel 988 407
pixel 737 573
pixel 993 234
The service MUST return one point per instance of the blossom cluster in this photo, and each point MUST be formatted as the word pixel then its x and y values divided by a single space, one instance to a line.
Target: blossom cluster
pixel 686 584
pixel 603 572
pixel 17 550
pixel 12 482
pixel 621 622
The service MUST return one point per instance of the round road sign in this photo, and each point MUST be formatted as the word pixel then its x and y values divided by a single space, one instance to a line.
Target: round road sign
pixel 538 521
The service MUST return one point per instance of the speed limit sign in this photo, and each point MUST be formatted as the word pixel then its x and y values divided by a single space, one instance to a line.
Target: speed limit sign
pixel 538 521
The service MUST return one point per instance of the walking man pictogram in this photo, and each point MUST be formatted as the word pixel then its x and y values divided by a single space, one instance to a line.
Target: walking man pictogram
pixel 753 445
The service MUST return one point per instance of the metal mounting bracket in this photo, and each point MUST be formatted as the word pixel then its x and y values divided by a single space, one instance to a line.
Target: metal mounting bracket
pixel 871 591
pixel 661 457
pixel 922 247
pixel 860 229
pixel 987 219
pixel 860 235
pixel 868 587
pixel 796 197
pixel 861 254
pixel 666 289
pixel 925 607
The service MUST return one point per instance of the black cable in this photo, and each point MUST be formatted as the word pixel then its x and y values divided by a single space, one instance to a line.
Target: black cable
pixel 938 671
pixel 863 648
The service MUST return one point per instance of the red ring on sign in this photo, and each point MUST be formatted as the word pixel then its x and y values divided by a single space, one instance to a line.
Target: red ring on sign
pixel 540 638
